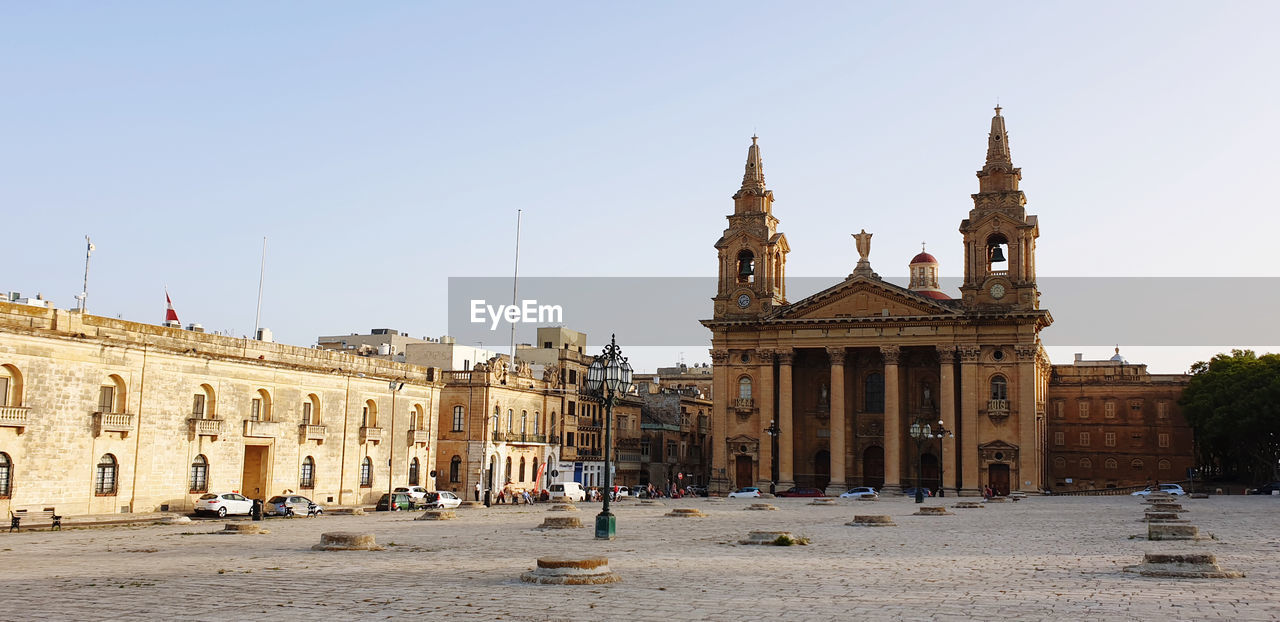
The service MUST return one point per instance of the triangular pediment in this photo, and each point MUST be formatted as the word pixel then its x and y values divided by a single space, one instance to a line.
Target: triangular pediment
pixel 864 297
pixel 997 446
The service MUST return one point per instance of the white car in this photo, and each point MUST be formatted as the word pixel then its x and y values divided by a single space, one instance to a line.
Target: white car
pixel 223 503
pixel 417 493
pixel 441 500
pixel 861 491
pixel 1173 489
pixel 745 492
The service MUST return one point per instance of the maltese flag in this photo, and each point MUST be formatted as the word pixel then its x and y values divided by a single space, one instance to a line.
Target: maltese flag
pixel 169 315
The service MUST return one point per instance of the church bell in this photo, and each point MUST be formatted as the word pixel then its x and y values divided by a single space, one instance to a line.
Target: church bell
pixel 996 254
pixel 744 268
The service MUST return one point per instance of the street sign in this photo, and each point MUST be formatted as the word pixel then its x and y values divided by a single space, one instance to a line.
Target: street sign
pixel 679 475
pixel 555 473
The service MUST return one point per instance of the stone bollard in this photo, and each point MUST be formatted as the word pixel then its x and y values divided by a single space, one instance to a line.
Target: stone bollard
pixel 968 505
pixel 346 541
pixel 762 506
pixel 685 513
pixel 650 502
pixel 998 500
pixel 1162 517
pixel 1199 495
pixel 933 510
pixel 242 528
pixel 560 522
pixel 765 495
pixel 765 537
pixel 1165 507
pixel 571 571
pixel 437 515
pixel 867 498
pixel 471 504
pixel 823 501
pixel 1160 531
pixel 563 507
pixel 872 520
pixel 1183 566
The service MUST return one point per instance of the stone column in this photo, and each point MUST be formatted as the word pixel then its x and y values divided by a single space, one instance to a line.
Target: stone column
pixel 838 451
pixel 764 380
pixel 786 438
pixel 722 404
pixel 892 422
pixel 970 396
pixel 1028 456
pixel 947 413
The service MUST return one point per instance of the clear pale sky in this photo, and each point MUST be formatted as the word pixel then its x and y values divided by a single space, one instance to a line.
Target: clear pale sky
pixel 384 147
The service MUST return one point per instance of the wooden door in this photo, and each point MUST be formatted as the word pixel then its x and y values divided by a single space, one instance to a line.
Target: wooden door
pixel 998 474
pixel 745 474
pixel 873 467
pixel 822 469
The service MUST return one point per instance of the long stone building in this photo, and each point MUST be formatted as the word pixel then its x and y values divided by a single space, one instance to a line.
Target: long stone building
pixel 100 415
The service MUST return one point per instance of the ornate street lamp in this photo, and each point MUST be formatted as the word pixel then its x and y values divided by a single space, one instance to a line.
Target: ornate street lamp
pixel 608 377
pixel 773 431
pixel 941 433
pixel 920 432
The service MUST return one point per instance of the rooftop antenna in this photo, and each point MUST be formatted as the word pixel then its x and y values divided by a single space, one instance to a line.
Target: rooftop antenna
pixel 515 281
pixel 262 272
pixel 84 292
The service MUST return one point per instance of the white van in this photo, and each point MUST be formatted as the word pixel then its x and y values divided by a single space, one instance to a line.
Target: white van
pixel 572 490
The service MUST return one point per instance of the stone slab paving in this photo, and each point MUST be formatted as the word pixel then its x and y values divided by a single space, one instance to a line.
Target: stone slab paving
pixel 1046 558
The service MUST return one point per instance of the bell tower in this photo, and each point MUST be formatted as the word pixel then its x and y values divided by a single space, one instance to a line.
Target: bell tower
pixel 752 253
pixel 999 236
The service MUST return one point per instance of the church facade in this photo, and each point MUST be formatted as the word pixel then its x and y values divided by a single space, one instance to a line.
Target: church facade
pixel 868 383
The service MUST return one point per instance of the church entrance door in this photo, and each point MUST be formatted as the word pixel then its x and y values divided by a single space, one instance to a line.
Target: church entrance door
pixel 998 474
pixel 745 475
pixel 822 469
pixel 873 467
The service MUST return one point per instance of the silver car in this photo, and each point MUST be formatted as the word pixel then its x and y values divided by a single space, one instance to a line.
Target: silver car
pixel 298 505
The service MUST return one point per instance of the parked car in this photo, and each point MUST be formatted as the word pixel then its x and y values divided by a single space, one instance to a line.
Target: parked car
pixel 276 505
pixel 1173 489
pixel 796 491
pixel 1265 489
pixel 745 492
pixel 572 490
pixel 859 492
pixel 911 492
pixel 417 492
pixel 440 500
pixel 402 501
pixel 223 503
pixel 623 491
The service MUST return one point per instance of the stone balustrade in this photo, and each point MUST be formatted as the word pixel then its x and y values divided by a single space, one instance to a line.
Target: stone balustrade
pixel 112 422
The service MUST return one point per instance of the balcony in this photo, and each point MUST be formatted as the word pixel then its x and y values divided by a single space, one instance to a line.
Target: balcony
pixel 997 409
pixel 368 434
pixel 419 437
pixel 308 432
pixel 205 427
pixel 512 437
pixel 261 429
pixel 112 422
pixel 554 439
pixel 589 427
pixel 743 404
pixel 14 417
pixel 588 453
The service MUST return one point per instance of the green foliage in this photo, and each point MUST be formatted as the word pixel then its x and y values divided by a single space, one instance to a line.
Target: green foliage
pixel 1233 406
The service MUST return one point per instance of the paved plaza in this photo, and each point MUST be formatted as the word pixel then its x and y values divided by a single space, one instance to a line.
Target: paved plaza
pixel 1058 558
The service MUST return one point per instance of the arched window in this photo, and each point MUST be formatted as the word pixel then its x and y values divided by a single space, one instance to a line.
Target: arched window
pixel 537 427
pixel 1136 464
pixel 1163 465
pixel 497 411
pixel 508 477
pixel 1059 463
pixel 200 474
pixel 524 422
pixel 553 425
pixel 455 469
pixel 419 417
pixel 311 410
pixel 744 388
pixel 511 419
pixel 10 386
pixel 522 468
pixel 366 473
pixel 111 397
pixel 307 479
pixel 997 252
pixel 413 472
pixel 746 267
pixel 104 482
pixel 1110 464
pixel 873 393
pixel 533 473
pixel 999 388
pixel 369 416
pixel 6 476
pixel 260 406
pixel 459 416
pixel 1086 463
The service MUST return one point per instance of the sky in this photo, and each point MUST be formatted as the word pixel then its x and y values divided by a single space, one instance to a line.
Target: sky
pixel 383 148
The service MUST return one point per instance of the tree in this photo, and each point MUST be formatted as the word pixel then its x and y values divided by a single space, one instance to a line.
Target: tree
pixel 1233 405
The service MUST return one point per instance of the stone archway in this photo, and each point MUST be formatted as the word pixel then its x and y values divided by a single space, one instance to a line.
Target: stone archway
pixel 873 467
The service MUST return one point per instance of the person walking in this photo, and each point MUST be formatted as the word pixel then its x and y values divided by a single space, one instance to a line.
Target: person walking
pixel 477 491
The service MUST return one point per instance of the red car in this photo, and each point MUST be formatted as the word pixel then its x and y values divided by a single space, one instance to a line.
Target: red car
pixel 802 492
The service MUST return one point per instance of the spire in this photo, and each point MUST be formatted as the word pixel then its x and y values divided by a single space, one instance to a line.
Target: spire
pixel 753 177
pixel 998 142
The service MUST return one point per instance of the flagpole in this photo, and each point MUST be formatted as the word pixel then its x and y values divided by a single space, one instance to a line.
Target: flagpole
pixel 515 281
pixel 262 271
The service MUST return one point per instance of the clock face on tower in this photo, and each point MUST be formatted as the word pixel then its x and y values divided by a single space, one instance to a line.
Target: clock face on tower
pixel 997 291
pixel 744 301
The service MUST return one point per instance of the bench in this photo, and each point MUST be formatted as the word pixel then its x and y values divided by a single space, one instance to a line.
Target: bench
pixel 42 517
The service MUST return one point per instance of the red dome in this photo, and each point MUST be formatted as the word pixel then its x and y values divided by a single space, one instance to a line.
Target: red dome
pixel 924 258
pixel 933 295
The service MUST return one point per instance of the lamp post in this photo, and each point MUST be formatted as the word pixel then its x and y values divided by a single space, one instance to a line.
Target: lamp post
pixel 773 431
pixel 608 377
pixel 394 385
pixel 941 433
pixel 920 432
